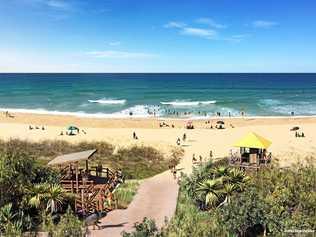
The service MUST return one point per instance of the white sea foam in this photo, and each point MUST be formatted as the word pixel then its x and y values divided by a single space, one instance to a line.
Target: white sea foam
pixel 285 108
pixel 269 102
pixel 105 101
pixel 298 109
pixel 140 111
pixel 137 111
pixel 184 103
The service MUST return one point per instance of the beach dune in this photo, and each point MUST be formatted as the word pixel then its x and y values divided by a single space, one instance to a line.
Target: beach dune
pixel 285 146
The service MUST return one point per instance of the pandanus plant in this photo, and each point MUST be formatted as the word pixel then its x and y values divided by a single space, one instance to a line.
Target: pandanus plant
pixel 218 190
pixel 46 196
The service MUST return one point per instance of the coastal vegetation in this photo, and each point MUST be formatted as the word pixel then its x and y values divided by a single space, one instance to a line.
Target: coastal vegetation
pixel 136 162
pixel 217 200
pixel 125 193
pixel 31 197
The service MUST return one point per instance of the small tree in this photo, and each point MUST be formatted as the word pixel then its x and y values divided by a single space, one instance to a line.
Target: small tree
pixel 245 211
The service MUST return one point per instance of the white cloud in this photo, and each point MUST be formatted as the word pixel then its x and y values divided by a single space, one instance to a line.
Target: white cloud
pixel 210 22
pixel 237 38
pixel 264 24
pixel 174 24
pixel 184 29
pixel 57 4
pixel 53 4
pixel 121 54
pixel 203 33
pixel 115 43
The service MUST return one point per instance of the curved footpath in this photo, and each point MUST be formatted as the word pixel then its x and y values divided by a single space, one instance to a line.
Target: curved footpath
pixel 156 198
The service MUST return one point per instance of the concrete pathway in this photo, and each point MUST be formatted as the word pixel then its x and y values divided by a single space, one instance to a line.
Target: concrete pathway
pixel 156 199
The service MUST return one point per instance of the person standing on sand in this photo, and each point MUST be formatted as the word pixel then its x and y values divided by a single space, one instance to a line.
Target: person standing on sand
pixel 178 142
pixel 135 136
pixel 211 154
pixel 184 137
pixel 193 158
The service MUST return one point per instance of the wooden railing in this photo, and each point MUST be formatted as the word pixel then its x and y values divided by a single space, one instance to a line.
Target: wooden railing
pixel 90 196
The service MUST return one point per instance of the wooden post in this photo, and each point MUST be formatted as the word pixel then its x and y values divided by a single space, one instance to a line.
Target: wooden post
pixel 77 178
pixel 72 186
pixel 82 201
pixel 87 166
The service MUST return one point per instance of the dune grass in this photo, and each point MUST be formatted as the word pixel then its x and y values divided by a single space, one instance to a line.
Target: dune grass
pixel 136 162
pixel 125 193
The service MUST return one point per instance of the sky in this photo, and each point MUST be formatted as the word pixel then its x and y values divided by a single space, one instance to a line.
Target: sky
pixel 157 36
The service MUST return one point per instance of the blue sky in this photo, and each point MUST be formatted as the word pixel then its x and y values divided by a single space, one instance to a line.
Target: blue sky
pixel 157 36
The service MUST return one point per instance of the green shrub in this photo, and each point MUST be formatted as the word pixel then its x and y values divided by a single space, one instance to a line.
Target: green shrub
pixel 273 200
pixel 68 226
pixel 147 228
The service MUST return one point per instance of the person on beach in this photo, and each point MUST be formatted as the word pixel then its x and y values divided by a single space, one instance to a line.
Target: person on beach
pixel 174 172
pixel 178 142
pixel 211 154
pixel 134 135
pixel 184 137
pixel 193 158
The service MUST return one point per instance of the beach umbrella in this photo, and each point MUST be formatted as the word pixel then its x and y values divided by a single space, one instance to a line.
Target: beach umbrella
pixel 295 128
pixel 253 140
pixel 220 122
pixel 73 128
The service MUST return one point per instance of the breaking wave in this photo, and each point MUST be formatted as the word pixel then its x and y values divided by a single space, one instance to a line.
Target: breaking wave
pixel 183 103
pixel 108 101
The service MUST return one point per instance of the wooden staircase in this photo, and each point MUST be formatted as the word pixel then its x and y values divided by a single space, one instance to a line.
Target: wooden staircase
pixel 91 195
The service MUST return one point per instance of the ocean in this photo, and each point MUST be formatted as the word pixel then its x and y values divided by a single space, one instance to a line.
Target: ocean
pixel 162 95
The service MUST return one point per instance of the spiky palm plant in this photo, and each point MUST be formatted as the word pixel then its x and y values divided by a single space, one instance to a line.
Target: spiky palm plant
pixel 46 196
pixel 210 191
pixel 229 189
pixel 238 178
pixel 220 172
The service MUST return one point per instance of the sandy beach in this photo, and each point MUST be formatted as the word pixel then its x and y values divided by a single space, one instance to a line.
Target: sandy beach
pixel 285 146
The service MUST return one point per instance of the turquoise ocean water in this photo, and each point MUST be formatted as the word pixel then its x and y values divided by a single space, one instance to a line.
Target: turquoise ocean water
pixel 165 95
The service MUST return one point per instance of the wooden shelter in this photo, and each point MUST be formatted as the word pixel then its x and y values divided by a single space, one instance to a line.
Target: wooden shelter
pixel 92 186
pixel 253 151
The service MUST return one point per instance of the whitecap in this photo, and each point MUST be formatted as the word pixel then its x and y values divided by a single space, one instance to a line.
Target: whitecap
pixel 183 103
pixel 105 101
pixel 140 111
